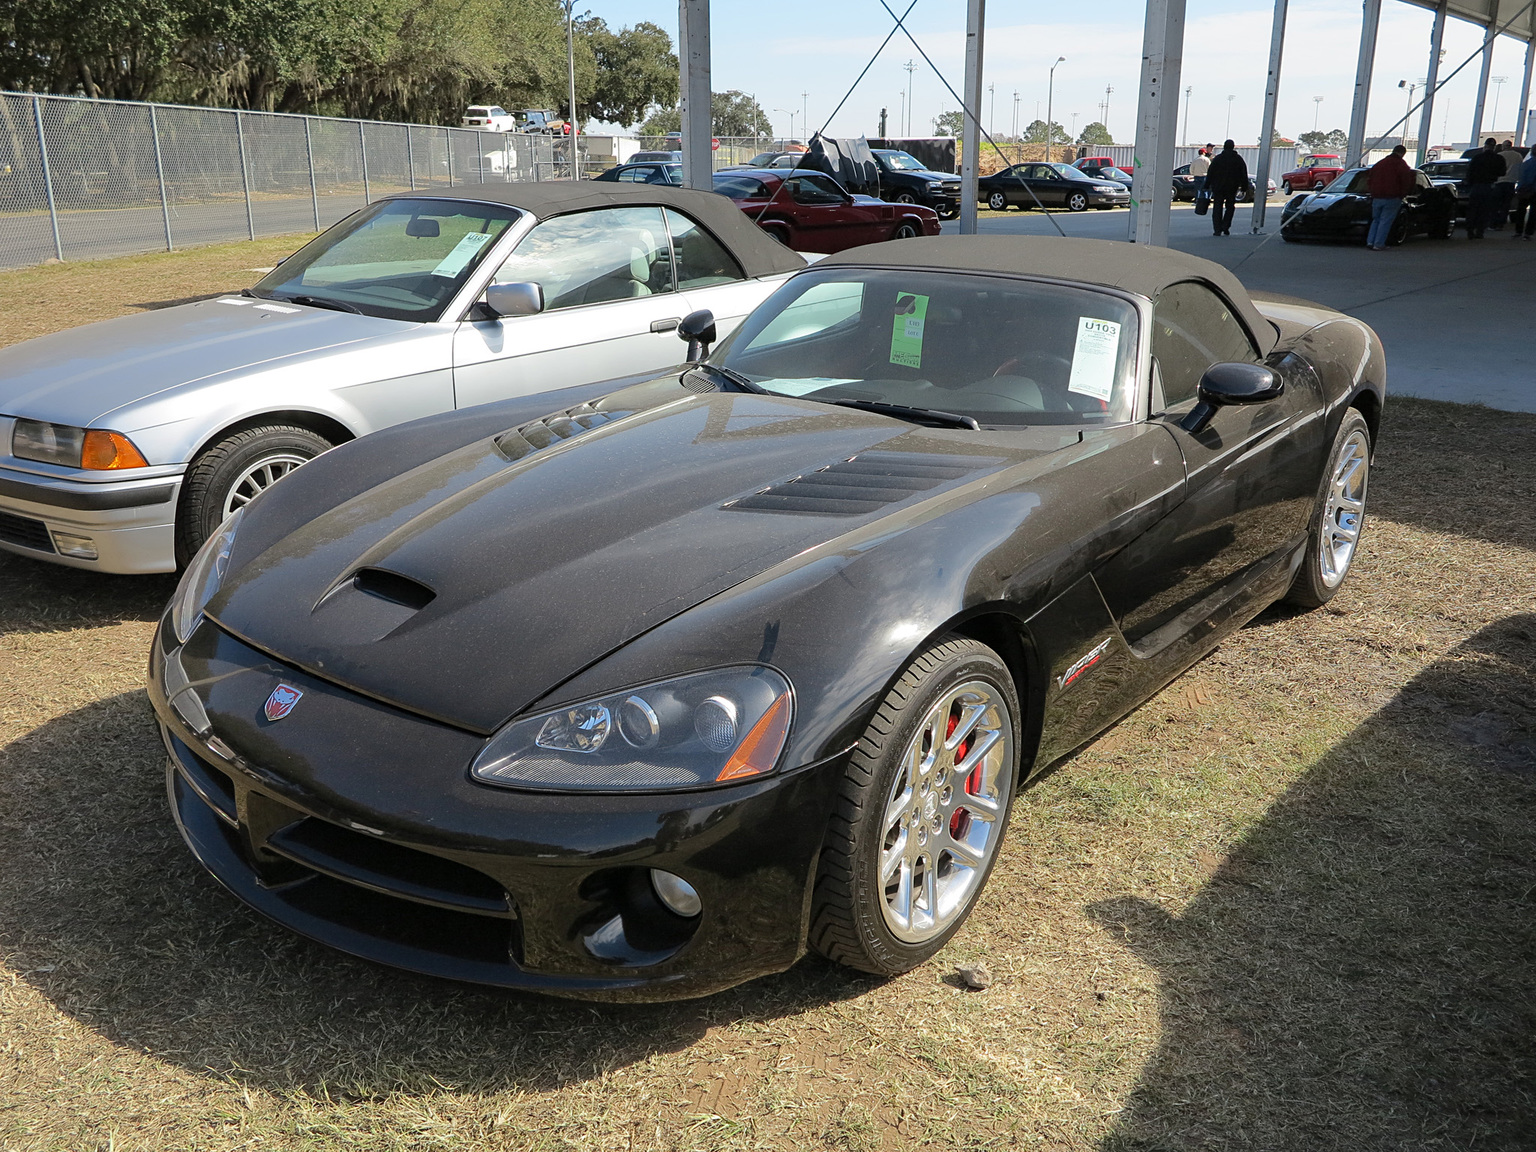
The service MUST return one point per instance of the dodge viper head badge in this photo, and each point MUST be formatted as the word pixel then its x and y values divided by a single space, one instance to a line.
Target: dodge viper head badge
pixel 281 702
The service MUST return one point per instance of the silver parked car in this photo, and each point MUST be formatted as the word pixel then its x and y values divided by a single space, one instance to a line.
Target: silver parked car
pixel 124 444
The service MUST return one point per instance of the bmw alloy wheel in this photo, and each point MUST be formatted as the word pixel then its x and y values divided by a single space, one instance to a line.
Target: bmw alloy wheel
pixel 1344 508
pixel 258 477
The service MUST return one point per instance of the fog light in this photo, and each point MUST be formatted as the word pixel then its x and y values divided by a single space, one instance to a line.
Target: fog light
pixel 77 547
pixel 676 893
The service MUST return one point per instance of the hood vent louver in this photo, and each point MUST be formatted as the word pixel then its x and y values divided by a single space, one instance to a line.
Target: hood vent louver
pixel 547 430
pixel 864 483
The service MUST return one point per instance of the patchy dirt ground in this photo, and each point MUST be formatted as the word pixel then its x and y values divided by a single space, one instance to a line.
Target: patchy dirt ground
pixel 1288 905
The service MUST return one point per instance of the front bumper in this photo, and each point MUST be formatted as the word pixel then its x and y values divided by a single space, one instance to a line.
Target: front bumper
pixel 356 824
pixel 130 525
pixel 1120 199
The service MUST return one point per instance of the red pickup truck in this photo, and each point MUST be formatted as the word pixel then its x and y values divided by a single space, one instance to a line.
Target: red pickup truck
pixel 1314 172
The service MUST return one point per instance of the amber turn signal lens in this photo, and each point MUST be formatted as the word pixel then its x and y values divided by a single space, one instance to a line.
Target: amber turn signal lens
pixel 108 450
pixel 760 750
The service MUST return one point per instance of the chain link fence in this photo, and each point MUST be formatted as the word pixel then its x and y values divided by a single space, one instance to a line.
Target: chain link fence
pixel 85 179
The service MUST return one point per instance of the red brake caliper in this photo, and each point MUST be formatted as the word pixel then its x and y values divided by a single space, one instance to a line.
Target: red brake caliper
pixel 960 819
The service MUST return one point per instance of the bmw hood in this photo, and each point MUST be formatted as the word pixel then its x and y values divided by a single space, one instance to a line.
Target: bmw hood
pixel 80 375
pixel 467 588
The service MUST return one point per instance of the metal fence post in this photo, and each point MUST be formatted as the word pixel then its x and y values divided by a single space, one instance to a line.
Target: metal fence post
pixel 314 195
pixel 42 152
pixel 410 157
pixel 245 178
pixel 165 203
pixel 480 154
pixel 362 151
pixel 448 149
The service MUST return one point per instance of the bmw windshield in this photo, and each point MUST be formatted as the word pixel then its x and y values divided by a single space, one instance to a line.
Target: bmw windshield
pixel 1001 351
pixel 401 259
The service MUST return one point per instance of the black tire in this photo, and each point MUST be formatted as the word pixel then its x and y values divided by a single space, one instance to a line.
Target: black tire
pixel 1285 186
pixel 906 230
pixel 778 232
pixel 1398 232
pixel 905 198
pixel 997 201
pixel 208 488
pixel 949 214
pixel 1311 588
pixel 1442 228
pixel 1077 202
pixel 848 925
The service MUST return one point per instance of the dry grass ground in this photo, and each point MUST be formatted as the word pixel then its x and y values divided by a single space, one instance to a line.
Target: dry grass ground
pixel 1288 904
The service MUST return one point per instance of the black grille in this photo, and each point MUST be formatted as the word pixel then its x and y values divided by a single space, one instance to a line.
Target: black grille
pixel 865 483
pixel 25 532
pixel 547 430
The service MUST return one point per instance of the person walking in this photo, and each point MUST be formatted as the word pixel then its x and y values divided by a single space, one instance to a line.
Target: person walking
pixel 1198 167
pixel 1525 199
pixel 1504 187
pixel 1483 171
pixel 1389 180
pixel 1226 177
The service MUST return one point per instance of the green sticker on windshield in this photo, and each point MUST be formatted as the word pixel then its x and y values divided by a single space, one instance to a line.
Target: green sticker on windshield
pixel 907 330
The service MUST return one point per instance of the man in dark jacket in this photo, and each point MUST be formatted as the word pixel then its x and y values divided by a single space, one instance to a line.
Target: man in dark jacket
pixel 1483 172
pixel 1227 177
pixel 1390 179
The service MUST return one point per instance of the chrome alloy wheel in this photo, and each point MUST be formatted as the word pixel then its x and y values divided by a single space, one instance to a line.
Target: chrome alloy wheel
pixel 1344 508
pixel 942 819
pixel 258 478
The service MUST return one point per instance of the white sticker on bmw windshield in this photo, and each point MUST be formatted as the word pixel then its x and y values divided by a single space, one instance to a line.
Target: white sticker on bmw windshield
pixel 1094 358
pixel 907 330
pixel 463 252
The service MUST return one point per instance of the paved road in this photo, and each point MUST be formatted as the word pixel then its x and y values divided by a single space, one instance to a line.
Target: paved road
pixel 1455 315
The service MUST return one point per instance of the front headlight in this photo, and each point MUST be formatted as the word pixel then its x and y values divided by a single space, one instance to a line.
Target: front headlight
pixel 1107 187
pixel 202 578
pixel 92 448
pixel 705 728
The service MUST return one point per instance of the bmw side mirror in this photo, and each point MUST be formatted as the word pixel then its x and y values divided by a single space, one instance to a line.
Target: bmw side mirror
pixel 518 299
pixel 1235 383
pixel 698 328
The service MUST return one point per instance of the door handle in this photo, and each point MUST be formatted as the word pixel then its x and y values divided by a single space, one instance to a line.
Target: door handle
pixel 666 325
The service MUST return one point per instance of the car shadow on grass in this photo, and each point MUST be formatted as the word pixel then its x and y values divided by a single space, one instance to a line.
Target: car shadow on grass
pixel 1360 972
pixel 36 596
pixel 105 912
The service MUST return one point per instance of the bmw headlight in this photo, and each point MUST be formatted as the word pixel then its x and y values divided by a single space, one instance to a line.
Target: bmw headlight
pixel 712 727
pixel 202 578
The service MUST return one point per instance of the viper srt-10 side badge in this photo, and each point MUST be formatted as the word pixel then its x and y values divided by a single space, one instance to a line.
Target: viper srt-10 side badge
pixel 1081 666
pixel 281 702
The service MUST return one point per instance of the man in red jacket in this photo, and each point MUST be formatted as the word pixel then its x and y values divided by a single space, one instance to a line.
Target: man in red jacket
pixel 1390 180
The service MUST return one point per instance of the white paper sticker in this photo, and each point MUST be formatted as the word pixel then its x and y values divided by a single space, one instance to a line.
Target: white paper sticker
pixel 805 385
pixel 1094 358
pixel 277 308
pixel 463 252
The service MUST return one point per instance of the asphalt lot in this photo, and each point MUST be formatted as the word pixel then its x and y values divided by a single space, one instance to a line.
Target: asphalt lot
pixel 1454 315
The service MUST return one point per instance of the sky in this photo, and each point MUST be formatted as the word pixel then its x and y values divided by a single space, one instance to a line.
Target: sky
pixel 761 49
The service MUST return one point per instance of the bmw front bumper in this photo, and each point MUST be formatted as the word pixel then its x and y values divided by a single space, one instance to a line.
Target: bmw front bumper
pixel 356 824
pixel 130 526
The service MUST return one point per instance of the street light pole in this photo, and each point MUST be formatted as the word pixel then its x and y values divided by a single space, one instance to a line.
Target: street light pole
pixel 1015 115
pixel 1498 82
pixel 1228 136
pixel 992 109
pixel 1189 90
pixel 791 116
pixel 910 67
pixel 1050 93
pixel 1317 108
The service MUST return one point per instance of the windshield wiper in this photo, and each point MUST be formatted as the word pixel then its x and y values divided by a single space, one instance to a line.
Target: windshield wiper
pixel 916 415
pixel 726 380
pixel 318 302
pixel 254 295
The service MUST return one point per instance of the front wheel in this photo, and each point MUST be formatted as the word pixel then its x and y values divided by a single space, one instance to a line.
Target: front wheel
pixel 232 473
pixel 997 202
pixel 905 198
pixel 920 815
pixel 906 230
pixel 1077 202
pixel 1339 517
pixel 1286 186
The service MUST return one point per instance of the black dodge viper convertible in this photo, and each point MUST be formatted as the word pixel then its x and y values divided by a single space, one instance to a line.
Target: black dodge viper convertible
pixel 639 692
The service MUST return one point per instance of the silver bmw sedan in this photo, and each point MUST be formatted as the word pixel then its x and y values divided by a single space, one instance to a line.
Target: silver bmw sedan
pixel 124 444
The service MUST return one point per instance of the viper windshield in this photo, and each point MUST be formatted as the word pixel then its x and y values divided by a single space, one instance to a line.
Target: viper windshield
pixel 402 259
pixel 1002 351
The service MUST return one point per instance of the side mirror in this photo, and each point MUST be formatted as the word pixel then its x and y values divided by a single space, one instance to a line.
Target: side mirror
pixel 1234 383
pixel 698 328
pixel 518 299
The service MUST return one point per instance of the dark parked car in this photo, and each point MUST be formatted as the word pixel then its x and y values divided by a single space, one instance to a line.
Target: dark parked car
pixel 653 172
pixel 1342 211
pixel 906 180
pixel 1049 186
pixel 1184 186
pixel 811 212
pixel 638 692
pixel 1450 174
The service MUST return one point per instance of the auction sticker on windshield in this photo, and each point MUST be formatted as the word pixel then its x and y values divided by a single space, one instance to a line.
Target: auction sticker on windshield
pixel 463 252
pixel 907 330
pixel 1094 358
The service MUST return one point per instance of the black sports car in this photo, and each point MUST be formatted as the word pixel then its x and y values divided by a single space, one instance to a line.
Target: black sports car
pixel 637 692
pixel 1342 211
pixel 1450 174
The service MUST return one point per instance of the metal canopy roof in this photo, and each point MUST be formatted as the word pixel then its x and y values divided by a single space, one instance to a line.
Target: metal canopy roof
pixel 1492 13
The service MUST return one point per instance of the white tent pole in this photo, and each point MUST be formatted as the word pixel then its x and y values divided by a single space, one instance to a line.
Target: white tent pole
pixel 1370 21
pixel 970 158
pixel 1157 120
pixel 1431 79
pixel 693 63
pixel 1267 129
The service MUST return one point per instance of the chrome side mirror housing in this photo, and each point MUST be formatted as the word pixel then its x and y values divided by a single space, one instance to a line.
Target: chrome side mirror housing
pixel 516 299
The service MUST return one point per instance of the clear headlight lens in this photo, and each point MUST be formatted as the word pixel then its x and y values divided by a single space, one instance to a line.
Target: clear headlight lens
pixel 705 728
pixel 202 578
pixel 93 448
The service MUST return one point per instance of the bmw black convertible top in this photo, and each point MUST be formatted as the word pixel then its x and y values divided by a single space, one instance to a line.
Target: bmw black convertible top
pixel 1141 269
pixel 758 253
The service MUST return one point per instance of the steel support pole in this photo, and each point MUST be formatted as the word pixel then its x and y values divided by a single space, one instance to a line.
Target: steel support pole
pixel 970 155
pixel 480 154
pixel 694 87
pixel 245 177
pixel 1521 128
pixel 42 155
pixel 1482 89
pixel 362 152
pixel 1157 121
pixel 165 203
pixel 448 152
pixel 314 191
pixel 1267 128
pixel 1369 23
pixel 410 157
pixel 1431 79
